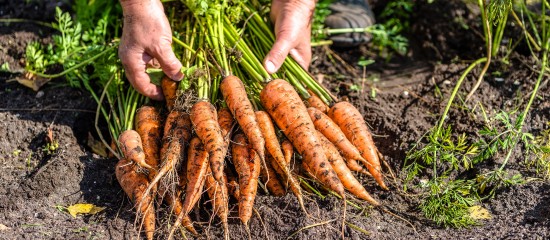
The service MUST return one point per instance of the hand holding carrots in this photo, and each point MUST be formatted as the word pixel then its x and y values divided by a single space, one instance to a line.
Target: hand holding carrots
pixel 146 35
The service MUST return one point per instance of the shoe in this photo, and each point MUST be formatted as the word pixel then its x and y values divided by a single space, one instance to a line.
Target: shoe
pixel 350 14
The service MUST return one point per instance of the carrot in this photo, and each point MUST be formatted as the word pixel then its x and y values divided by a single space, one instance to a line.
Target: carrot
pixel 132 148
pixel 247 164
pixel 334 134
pixel 351 122
pixel 148 125
pixel 207 128
pixel 217 192
pixel 232 184
pixel 173 199
pixel 269 177
pixel 169 90
pixel 288 151
pixel 356 167
pixel 134 184
pixel 278 170
pixel 178 125
pixel 315 102
pixel 289 113
pixel 343 172
pixel 274 149
pixel 235 96
pixel 197 162
pixel 177 132
pixel 225 120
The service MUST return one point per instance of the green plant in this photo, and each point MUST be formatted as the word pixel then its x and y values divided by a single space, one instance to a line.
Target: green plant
pixel 540 149
pixel 445 158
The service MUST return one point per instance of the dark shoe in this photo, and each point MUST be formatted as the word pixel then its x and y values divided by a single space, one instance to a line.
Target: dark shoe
pixel 350 14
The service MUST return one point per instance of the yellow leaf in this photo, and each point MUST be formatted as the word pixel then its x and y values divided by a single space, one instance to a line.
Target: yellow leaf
pixel 84 208
pixel 478 212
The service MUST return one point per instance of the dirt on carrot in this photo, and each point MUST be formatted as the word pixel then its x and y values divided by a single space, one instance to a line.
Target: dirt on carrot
pixel 207 128
pixel 290 114
pixel 350 120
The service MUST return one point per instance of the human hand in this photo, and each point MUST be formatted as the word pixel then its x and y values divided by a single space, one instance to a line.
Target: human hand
pixel 146 35
pixel 292 20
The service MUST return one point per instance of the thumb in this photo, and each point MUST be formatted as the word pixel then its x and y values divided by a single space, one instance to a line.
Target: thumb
pixel 277 55
pixel 168 61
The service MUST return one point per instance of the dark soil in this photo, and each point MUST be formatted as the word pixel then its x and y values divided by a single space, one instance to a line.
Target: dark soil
pixel 33 183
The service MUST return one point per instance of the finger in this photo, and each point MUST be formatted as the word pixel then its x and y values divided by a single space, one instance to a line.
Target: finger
pixel 276 56
pixel 302 56
pixel 168 61
pixel 135 72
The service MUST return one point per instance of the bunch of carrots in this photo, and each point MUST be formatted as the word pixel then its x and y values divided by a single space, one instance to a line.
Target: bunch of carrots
pixel 227 144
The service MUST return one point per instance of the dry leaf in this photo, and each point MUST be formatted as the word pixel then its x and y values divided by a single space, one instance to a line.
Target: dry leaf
pixel 32 81
pixel 479 212
pixel 96 146
pixel 49 135
pixel 84 208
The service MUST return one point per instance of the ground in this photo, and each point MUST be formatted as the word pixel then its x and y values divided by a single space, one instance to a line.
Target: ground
pixel 33 184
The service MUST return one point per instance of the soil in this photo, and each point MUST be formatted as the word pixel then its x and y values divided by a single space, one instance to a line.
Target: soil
pixel 35 184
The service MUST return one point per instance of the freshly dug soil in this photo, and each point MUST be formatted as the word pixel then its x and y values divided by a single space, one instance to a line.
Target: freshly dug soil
pixel 35 185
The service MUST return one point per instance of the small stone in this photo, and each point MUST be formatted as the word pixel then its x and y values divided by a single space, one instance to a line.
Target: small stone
pixel 405 94
pixel 39 94
pixel 499 79
pixel 447 82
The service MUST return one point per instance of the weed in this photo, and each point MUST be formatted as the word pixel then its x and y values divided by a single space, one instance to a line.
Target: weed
pixel 5 67
pixel 50 148
pixel 448 157
pixel 539 147
pixel 16 152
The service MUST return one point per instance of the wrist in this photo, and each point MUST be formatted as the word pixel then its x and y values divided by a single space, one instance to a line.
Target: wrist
pixel 309 4
pixel 138 6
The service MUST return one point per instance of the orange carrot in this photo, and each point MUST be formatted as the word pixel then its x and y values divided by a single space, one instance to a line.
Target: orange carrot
pixel 277 170
pixel 134 184
pixel 315 102
pixel 289 113
pixel 334 134
pixel 173 199
pixel 148 125
pixel 269 177
pixel 197 162
pixel 356 167
pixel 169 90
pixel 235 96
pixel 232 184
pixel 274 149
pixel 132 148
pixel 177 132
pixel 225 120
pixel 247 164
pixel 178 125
pixel 207 128
pixel 350 120
pixel 343 172
pixel 217 192
pixel 288 151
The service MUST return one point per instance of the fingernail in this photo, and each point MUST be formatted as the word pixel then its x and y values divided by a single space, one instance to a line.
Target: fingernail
pixel 270 67
pixel 178 76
